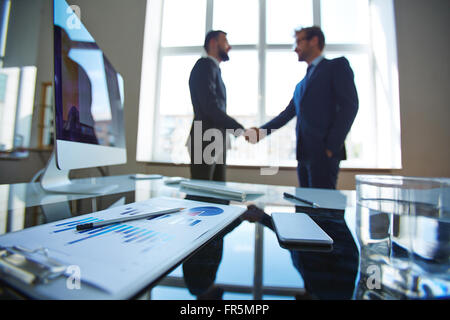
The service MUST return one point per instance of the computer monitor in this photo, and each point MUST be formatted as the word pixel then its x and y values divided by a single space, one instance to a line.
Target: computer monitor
pixel 89 108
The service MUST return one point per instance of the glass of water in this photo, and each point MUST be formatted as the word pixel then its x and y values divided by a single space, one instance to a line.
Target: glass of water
pixel 403 226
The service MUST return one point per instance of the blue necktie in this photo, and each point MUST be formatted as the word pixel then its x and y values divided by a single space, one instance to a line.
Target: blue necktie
pixel 306 79
pixel 300 91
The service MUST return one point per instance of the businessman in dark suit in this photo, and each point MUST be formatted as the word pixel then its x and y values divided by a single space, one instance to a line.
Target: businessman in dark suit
pixel 325 103
pixel 209 99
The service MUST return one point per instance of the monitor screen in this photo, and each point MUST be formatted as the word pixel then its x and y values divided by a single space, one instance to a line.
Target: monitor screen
pixel 89 97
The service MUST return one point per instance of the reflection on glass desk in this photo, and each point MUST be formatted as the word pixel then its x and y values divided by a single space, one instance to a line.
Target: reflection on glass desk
pixel 244 261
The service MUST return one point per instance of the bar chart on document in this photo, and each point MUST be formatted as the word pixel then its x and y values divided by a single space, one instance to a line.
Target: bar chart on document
pixel 132 247
pixel 130 233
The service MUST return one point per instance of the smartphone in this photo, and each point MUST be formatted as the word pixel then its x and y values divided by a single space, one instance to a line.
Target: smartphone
pixel 299 229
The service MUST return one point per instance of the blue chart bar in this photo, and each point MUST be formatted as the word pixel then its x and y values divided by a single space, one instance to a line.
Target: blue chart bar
pixel 96 233
pixel 139 235
pixel 96 230
pixel 131 230
pixel 128 233
pixel 134 233
pixel 160 217
pixel 149 237
pixel 127 228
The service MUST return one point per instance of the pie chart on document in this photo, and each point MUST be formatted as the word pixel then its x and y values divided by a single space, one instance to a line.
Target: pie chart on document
pixel 204 211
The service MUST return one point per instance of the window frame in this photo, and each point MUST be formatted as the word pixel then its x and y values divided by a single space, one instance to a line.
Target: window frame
pixel 262 48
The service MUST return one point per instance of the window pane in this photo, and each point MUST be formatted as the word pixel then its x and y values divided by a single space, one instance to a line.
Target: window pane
pixel 283 72
pixel 284 16
pixel 345 21
pixel 239 19
pixel 183 23
pixel 175 109
pixel 175 98
pixel 276 150
pixel 242 152
pixel 240 76
pixel 170 139
pixel 9 92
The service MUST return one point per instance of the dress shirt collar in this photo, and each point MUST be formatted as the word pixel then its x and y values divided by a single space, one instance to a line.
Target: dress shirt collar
pixel 316 61
pixel 214 59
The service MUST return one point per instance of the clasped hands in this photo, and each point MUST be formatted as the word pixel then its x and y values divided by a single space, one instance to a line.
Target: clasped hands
pixel 254 135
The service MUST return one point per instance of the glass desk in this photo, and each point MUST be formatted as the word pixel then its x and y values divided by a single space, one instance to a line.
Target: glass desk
pixel 244 261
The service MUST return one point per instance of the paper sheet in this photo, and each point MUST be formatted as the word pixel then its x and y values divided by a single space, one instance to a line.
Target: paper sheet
pixel 117 257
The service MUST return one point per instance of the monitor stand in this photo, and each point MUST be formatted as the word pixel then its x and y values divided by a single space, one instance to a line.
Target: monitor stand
pixel 56 180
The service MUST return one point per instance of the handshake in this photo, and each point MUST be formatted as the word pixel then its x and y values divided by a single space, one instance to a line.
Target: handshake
pixel 254 135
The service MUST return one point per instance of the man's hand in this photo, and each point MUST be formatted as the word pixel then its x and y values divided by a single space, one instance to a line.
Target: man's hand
pixel 329 153
pixel 253 135
pixel 253 214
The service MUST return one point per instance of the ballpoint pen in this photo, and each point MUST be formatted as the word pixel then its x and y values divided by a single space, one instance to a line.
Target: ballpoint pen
pixel 123 219
pixel 290 196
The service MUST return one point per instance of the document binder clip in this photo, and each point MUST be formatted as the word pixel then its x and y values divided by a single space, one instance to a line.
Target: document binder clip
pixel 17 263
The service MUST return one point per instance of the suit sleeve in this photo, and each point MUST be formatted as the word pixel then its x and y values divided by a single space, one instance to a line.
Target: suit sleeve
pixel 284 117
pixel 347 105
pixel 204 88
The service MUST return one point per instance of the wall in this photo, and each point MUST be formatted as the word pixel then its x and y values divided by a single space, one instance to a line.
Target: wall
pixel 24 25
pixel 424 78
pixel 424 83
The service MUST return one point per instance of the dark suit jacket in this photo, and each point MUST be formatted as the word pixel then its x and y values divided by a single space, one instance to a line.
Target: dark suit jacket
pixel 325 112
pixel 208 95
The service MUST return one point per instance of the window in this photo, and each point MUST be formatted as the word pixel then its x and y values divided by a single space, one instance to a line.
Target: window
pixel 17 77
pixel 263 71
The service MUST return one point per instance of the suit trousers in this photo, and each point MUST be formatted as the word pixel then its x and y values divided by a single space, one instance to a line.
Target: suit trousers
pixel 214 172
pixel 318 172
pixel 203 171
